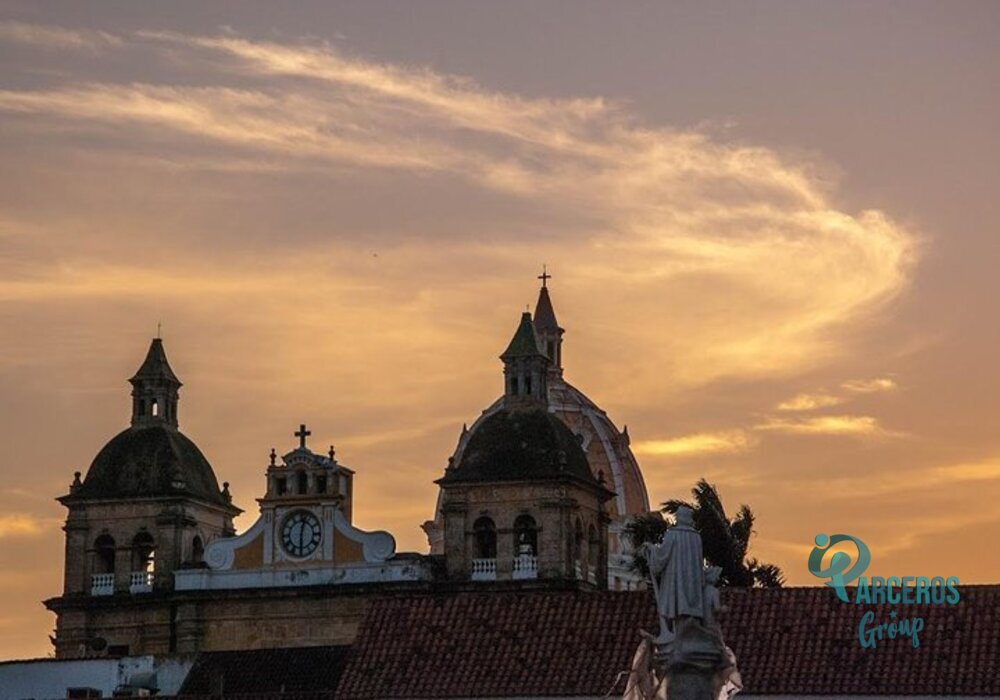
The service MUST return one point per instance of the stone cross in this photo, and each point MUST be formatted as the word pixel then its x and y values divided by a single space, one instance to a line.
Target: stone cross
pixel 544 277
pixel 302 434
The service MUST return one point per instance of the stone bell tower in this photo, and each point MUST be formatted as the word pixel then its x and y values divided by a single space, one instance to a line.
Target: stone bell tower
pixel 520 502
pixel 148 506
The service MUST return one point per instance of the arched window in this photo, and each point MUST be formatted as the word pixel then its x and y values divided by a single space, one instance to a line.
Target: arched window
pixel 486 538
pixel 303 482
pixel 197 550
pixel 578 551
pixel 104 555
pixel 156 407
pixel 593 549
pixel 143 553
pixel 525 536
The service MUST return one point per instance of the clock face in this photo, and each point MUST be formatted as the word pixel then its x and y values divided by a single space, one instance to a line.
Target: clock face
pixel 301 533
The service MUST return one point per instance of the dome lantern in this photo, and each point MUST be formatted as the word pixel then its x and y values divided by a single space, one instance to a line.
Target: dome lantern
pixel 155 390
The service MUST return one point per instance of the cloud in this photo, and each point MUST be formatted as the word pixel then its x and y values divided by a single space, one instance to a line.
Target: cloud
pixel 15 525
pixel 809 402
pixel 869 386
pixel 56 38
pixel 723 442
pixel 758 264
pixel 824 399
pixel 861 426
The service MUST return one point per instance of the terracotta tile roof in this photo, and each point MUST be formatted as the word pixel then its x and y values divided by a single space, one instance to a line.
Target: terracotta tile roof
pixel 495 644
pixel 805 641
pixel 259 672
pixel 551 643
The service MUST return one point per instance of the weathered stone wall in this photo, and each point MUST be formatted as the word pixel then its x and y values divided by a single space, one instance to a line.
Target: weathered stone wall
pixel 555 507
pixel 221 620
pixel 173 524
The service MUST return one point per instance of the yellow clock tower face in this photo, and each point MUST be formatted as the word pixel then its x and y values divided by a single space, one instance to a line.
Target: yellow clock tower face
pixel 301 533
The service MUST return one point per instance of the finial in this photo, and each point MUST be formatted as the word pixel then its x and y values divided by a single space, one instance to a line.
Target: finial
pixel 332 453
pixel 225 491
pixel 625 436
pixel 544 277
pixel 302 434
pixel 76 482
pixel 274 456
pixel 465 428
pixel 159 327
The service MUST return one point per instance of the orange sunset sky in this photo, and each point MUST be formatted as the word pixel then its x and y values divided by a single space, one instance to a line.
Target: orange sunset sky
pixel 772 227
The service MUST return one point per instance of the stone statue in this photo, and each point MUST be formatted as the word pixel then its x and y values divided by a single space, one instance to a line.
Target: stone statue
pixel 689 659
pixel 713 602
pixel 676 568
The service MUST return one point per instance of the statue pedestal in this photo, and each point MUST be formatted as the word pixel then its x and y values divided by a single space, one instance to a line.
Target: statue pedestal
pixel 692 661
pixel 691 684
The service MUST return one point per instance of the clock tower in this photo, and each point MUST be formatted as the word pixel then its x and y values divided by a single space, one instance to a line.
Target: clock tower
pixel 304 534
pixel 305 493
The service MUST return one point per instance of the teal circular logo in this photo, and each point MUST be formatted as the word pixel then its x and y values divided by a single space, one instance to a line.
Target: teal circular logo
pixel 840 570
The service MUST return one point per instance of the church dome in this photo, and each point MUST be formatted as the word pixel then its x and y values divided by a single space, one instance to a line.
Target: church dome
pixel 152 458
pixel 605 447
pixel 520 445
pixel 153 461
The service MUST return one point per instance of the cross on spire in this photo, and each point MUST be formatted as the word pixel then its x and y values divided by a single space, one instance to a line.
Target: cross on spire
pixel 302 434
pixel 544 277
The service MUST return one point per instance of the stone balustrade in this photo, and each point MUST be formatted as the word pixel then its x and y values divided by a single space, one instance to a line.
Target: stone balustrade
pixel 140 582
pixel 525 567
pixel 484 569
pixel 102 584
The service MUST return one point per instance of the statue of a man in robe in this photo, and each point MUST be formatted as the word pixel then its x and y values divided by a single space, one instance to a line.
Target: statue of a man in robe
pixel 676 565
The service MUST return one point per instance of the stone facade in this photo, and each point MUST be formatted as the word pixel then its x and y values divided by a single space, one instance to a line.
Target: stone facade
pixel 571 529
pixel 187 622
pixel 153 565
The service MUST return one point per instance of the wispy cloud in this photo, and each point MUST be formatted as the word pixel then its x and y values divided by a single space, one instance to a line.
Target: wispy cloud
pixel 825 425
pixel 869 386
pixel 825 399
pixel 56 38
pixel 723 442
pixel 809 402
pixel 15 525
pixel 665 208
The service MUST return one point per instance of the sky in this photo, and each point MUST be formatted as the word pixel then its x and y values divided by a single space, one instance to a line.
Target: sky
pixel 772 228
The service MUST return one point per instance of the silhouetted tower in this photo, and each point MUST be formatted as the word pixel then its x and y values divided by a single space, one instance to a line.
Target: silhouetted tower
pixel 525 368
pixel 549 332
pixel 154 390
pixel 148 506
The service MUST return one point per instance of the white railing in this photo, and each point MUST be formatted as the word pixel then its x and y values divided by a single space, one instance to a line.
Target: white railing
pixel 102 584
pixel 140 582
pixel 525 566
pixel 577 569
pixel 592 575
pixel 484 569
